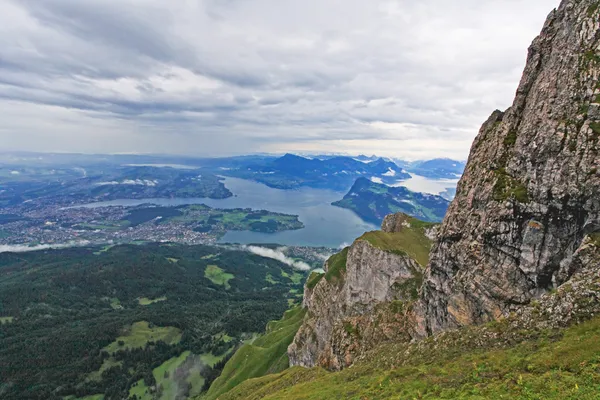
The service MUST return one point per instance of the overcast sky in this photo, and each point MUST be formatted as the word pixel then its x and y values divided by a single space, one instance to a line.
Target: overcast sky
pixel 404 78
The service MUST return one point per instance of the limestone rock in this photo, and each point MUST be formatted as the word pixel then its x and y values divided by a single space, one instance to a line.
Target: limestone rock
pixel 370 302
pixel 531 188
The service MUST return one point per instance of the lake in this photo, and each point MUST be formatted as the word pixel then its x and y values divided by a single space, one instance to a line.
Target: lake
pixel 325 225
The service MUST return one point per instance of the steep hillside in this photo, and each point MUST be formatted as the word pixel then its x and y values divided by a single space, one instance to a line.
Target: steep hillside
pixel 528 355
pixel 364 296
pixel 266 355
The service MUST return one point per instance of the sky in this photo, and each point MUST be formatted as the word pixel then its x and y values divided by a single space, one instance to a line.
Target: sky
pixel 397 78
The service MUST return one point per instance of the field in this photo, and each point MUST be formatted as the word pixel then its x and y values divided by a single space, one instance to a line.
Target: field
pixel 140 333
pixel 178 376
pixel 6 320
pixel 106 365
pixel 92 397
pixel 218 276
pixel 144 301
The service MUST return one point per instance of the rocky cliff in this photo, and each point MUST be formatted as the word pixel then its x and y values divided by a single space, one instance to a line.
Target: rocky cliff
pixel 365 296
pixel 531 189
pixel 526 209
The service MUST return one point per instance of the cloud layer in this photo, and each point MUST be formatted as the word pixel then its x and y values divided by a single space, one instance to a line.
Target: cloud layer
pixel 216 77
pixel 278 255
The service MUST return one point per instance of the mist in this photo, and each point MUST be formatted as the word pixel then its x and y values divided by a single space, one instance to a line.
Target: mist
pixel 278 255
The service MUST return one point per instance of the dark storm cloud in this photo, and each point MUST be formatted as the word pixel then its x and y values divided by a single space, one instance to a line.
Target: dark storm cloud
pixel 395 77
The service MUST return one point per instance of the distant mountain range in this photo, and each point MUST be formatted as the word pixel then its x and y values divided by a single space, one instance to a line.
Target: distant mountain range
pixel 287 172
pixel 336 173
pixel 373 201
pixel 438 168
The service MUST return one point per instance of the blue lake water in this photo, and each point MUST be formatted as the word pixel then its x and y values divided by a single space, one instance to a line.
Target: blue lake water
pixel 325 225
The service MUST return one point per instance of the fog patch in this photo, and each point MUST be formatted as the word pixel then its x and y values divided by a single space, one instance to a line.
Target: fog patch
pixel 22 248
pixel 277 254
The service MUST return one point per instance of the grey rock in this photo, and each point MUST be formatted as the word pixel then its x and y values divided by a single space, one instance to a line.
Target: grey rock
pixel 531 188
pixel 339 309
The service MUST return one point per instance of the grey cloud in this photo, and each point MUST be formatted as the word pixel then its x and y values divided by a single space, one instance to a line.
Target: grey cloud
pixel 230 76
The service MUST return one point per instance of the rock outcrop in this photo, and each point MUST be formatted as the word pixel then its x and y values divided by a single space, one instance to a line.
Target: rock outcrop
pixel 524 224
pixel 364 297
pixel 531 188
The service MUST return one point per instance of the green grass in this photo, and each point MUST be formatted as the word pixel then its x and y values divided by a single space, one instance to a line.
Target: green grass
pixel 269 279
pixel 92 397
pixel 224 337
pixel 6 320
pixel 104 249
pixel 549 367
pixel 170 376
pixel 116 304
pixel 266 355
pixel 313 279
pixel 410 241
pixel 144 301
pixel 507 187
pixel 212 360
pixel 107 364
pixel 164 373
pixel 336 265
pixel 218 276
pixel 296 277
pixel 140 390
pixel 173 260
pixel 510 139
pixel 140 333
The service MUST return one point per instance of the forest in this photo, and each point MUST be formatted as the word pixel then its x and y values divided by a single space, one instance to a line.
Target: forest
pixel 86 321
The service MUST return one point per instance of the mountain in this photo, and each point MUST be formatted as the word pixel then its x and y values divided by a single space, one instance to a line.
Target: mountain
pixel 373 201
pixel 438 168
pixel 336 173
pixel 505 304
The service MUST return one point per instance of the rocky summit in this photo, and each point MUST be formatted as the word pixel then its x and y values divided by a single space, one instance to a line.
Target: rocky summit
pixel 531 189
pixel 524 223
pixel 362 298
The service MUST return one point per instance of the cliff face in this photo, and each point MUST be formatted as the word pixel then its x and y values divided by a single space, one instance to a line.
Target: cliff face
pixel 530 192
pixel 526 212
pixel 368 299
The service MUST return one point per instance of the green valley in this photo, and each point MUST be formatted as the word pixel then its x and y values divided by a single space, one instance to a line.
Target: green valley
pixel 127 319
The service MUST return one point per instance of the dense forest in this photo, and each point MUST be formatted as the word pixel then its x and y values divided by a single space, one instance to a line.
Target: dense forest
pixel 84 321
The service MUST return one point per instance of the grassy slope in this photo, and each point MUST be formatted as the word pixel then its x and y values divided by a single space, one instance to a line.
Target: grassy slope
pixel 550 366
pixel 266 355
pixel 336 264
pixel 141 333
pixel 218 276
pixel 411 240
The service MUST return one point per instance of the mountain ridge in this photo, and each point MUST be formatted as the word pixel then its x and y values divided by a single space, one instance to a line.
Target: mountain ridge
pixel 373 201
pixel 527 209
